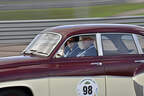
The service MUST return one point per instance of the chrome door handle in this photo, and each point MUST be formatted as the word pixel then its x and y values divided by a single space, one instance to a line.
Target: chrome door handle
pixel 97 63
pixel 139 61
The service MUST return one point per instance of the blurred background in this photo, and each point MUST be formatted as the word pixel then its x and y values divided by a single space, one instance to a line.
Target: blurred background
pixel 16 34
pixel 63 9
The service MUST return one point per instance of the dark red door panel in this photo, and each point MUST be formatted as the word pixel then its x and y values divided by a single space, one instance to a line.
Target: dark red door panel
pixel 123 65
pixel 83 66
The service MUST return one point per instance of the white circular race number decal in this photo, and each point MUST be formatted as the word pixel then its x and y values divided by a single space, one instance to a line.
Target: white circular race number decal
pixel 87 87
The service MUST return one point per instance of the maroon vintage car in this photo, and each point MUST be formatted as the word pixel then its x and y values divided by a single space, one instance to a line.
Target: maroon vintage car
pixel 78 60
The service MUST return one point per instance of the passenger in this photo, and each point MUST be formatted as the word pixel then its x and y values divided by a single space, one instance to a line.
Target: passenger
pixel 72 48
pixel 86 44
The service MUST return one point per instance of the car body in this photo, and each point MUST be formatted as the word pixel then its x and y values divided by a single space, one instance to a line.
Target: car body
pixel 117 69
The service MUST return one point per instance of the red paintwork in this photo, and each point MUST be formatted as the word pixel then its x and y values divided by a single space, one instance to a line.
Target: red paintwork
pixel 69 30
pixel 29 66
pixel 123 65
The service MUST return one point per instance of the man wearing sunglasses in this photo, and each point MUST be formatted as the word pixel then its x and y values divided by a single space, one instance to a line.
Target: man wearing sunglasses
pixel 72 48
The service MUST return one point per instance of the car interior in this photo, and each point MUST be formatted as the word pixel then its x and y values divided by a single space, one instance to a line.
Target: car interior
pixel 112 44
pixel 115 44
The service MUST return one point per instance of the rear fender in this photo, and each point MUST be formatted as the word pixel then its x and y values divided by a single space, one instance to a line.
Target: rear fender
pixel 138 79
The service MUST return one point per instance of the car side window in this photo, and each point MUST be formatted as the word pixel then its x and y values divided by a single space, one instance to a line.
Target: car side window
pixel 141 41
pixel 78 46
pixel 115 44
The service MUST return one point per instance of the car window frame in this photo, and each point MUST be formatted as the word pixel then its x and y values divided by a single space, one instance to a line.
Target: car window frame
pixel 99 43
pixel 135 39
pixel 75 36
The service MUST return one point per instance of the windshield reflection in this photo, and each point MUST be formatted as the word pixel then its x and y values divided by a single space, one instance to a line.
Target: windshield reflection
pixel 43 44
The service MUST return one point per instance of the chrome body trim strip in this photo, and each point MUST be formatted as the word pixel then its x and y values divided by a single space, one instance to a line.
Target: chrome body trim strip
pixel 99 44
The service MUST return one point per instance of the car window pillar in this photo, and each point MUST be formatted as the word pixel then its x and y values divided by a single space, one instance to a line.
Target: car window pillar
pixel 99 44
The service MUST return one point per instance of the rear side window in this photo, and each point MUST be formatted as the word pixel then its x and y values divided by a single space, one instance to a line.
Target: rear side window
pixel 141 41
pixel 115 44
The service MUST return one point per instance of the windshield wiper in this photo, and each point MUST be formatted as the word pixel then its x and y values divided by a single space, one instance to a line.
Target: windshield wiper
pixel 33 50
pixel 37 52
pixel 29 52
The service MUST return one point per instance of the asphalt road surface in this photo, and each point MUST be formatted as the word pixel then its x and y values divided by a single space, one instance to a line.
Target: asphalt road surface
pixel 14 50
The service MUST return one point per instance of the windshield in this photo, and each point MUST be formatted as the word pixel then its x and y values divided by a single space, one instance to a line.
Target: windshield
pixel 43 44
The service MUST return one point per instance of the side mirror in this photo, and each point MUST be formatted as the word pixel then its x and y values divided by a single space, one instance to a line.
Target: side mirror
pixel 60 53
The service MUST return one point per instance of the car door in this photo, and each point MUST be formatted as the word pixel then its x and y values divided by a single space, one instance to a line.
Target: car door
pixel 120 55
pixel 77 76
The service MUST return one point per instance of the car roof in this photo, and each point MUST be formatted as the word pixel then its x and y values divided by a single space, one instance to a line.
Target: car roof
pixel 66 30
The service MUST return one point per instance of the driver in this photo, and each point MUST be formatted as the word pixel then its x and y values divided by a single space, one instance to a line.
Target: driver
pixel 71 49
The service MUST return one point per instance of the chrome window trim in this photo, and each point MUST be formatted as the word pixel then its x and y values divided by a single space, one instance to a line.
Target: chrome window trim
pixel 56 43
pixel 138 46
pixel 30 44
pixel 135 38
pixel 99 44
pixel 75 36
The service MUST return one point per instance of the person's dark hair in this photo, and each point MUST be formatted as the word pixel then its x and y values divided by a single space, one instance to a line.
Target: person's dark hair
pixel 74 39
